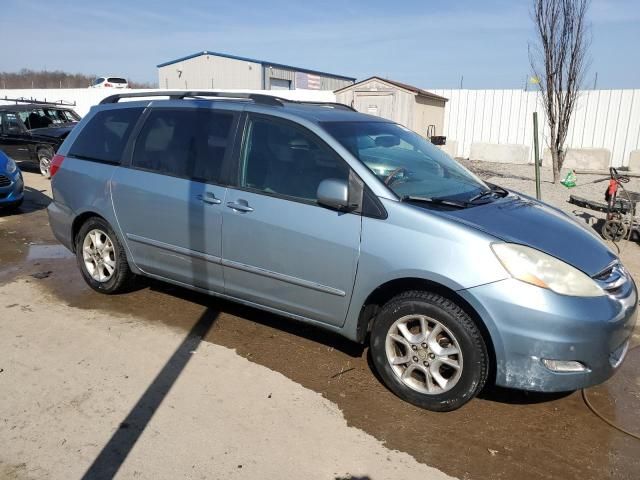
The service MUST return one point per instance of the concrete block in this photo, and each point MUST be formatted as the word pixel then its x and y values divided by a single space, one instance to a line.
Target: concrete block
pixel 450 148
pixel 500 153
pixel 582 158
pixel 634 161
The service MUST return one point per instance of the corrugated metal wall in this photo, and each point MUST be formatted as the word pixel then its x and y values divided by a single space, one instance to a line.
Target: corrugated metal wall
pixel 602 119
pixel 326 82
pixel 273 72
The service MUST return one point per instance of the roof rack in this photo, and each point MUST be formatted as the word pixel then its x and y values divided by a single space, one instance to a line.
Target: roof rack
pixel 60 103
pixel 341 106
pixel 256 97
pixel 179 95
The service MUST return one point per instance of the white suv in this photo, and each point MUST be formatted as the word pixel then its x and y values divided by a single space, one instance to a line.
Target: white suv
pixel 110 82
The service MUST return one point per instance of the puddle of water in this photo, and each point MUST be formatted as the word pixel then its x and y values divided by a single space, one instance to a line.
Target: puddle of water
pixel 44 252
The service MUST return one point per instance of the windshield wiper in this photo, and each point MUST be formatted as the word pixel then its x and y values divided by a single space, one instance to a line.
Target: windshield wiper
pixel 435 201
pixel 486 193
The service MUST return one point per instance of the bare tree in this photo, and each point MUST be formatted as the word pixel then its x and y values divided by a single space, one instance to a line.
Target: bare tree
pixel 559 62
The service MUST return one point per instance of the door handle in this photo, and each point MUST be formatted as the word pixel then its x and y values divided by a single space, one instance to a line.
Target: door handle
pixel 240 206
pixel 209 198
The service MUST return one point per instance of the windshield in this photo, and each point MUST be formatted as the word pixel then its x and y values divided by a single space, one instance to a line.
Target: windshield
pixel 61 116
pixel 407 163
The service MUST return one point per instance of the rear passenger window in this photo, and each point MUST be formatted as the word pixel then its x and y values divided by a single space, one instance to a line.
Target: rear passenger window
pixel 282 159
pixel 103 139
pixel 184 143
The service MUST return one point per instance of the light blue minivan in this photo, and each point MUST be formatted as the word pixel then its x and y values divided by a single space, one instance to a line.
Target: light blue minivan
pixel 348 222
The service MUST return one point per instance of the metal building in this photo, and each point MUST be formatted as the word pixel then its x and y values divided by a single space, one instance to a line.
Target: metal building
pixel 417 109
pixel 220 70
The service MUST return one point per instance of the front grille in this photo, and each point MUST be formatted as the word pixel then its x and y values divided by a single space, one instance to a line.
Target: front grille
pixel 4 181
pixel 612 279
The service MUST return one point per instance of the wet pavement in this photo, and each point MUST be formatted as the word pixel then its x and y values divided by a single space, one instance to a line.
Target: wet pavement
pixel 503 434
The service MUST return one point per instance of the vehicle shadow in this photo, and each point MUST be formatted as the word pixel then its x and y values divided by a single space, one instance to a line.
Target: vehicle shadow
pixel 34 200
pixel 116 450
pixel 287 325
pixel 496 394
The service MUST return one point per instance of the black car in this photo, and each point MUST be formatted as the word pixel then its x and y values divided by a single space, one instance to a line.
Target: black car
pixel 34 131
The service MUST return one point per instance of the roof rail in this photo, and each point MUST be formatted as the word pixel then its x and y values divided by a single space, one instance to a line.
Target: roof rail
pixel 341 106
pixel 256 97
pixel 62 103
pixel 179 95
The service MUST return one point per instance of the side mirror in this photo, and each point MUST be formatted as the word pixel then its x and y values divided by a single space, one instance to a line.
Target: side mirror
pixel 334 193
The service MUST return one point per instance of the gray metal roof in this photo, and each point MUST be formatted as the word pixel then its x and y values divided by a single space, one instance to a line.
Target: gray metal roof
pixel 404 86
pixel 264 63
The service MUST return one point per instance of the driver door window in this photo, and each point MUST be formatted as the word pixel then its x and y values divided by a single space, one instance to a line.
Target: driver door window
pixel 283 160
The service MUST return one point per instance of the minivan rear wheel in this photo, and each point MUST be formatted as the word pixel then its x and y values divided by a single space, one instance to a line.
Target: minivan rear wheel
pixel 429 351
pixel 102 258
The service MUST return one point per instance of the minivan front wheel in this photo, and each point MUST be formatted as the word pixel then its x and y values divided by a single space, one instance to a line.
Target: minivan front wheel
pixel 101 257
pixel 429 351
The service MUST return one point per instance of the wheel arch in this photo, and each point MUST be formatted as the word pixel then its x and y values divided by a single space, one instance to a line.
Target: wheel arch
pixel 385 292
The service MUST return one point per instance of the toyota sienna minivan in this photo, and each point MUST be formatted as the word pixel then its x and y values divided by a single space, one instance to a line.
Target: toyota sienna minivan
pixel 348 222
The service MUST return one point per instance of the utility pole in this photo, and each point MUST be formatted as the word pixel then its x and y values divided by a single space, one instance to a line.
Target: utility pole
pixel 461 81
pixel 595 81
pixel 536 153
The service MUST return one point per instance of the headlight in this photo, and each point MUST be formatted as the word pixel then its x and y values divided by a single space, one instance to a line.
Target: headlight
pixel 11 166
pixel 537 268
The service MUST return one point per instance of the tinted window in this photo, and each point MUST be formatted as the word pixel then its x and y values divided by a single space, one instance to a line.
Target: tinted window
pixel 98 81
pixel 105 136
pixel 283 159
pixel 35 119
pixel 11 123
pixel 185 143
pixel 116 80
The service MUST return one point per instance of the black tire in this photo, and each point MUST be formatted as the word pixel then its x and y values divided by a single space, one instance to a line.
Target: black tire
pixel 122 278
pixel 475 364
pixel 45 156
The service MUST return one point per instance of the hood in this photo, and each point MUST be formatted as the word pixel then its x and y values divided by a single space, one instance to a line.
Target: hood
pixel 518 219
pixel 60 131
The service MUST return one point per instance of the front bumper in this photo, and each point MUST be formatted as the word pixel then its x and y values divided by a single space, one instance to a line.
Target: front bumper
pixel 528 324
pixel 14 192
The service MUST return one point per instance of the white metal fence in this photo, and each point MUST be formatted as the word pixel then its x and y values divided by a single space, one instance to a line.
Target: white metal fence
pixel 602 119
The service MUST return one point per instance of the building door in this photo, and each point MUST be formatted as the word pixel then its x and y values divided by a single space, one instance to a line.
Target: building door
pixel 378 104
pixel 279 84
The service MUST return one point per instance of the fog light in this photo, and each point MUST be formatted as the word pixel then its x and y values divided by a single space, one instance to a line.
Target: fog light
pixel 564 365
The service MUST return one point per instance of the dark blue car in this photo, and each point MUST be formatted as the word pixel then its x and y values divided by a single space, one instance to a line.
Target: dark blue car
pixel 11 183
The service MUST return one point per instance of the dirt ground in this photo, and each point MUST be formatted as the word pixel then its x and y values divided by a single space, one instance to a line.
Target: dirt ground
pixel 89 383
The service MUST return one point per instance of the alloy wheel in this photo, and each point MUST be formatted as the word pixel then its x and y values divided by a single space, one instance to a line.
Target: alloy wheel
pixel 45 166
pixel 424 354
pixel 99 255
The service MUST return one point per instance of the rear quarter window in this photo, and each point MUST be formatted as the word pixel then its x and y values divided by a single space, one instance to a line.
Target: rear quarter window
pixel 105 136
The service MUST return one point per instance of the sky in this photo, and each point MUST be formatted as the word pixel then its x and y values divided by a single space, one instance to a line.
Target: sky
pixel 427 43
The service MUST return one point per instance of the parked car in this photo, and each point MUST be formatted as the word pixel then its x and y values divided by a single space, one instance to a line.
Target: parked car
pixel 110 82
pixel 351 223
pixel 11 183
pixel 33 132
